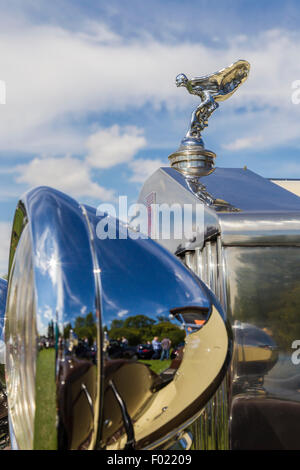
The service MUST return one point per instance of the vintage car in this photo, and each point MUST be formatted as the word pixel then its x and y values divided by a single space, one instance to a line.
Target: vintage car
pixel 225 289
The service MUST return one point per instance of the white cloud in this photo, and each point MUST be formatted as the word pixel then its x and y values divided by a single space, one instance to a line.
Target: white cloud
pixel 100 33
pixel 108 147
pixel 53 75
pixel 122 313
pixel 243 143
pixel 67 174
pixel 142 168
pixel 48 313
pixel 55 78
pixel 83 310
pixel 5 232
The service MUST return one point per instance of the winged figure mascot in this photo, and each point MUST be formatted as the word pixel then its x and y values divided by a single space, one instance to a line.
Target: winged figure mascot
pixel 211 89
pixel 218 86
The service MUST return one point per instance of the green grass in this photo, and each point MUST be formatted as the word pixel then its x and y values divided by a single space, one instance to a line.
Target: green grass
pixel 157 365
pixel 45 435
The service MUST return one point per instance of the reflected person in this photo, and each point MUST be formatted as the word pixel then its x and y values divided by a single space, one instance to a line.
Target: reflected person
pixel 156 345
pixel 165 352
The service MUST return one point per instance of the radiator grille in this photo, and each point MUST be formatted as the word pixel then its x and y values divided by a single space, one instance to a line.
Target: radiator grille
pixel 211 430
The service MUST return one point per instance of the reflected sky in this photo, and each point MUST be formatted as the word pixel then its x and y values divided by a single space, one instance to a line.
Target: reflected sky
pixel 134 268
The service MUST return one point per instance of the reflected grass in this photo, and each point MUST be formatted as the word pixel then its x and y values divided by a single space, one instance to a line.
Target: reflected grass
pixel 157 365
pixel 45 435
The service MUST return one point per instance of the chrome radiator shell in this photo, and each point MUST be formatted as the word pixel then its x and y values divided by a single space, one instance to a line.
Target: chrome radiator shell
pixel 247 253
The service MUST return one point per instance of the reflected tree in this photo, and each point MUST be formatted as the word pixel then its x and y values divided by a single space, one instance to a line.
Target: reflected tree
pixel 139 329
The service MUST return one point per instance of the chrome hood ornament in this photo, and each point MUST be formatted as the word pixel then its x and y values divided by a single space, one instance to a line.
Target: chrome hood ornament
pixel 192 158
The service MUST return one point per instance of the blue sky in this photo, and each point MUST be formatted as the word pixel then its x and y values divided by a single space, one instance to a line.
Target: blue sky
pixel 92 108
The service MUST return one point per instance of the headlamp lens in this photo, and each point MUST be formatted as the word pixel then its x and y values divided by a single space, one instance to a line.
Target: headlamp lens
pixel 21 347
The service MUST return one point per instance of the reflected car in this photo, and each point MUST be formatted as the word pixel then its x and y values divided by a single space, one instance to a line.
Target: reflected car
pixel 144 351
pixel 84 350
pixel 176 350
pixel 118 350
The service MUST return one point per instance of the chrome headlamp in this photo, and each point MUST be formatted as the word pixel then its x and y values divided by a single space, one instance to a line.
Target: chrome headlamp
pixel 21 342
pixel 74 380
pixel 52 385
